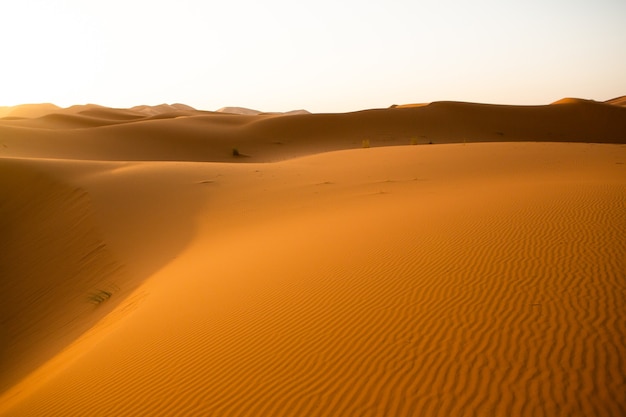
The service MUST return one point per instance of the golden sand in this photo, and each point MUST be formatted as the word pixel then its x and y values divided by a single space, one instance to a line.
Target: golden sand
pixel 149 272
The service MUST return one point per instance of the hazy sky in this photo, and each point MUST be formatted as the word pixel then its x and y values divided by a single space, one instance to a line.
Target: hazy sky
pixel 326 55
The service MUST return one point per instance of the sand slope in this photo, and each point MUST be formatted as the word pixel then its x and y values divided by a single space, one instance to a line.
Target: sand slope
pixel 52 260
pixel 461 279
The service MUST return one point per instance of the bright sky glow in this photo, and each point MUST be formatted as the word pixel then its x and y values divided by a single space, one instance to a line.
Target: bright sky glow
pixel 324 56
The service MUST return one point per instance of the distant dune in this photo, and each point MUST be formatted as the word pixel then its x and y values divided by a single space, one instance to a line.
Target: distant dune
pixel 618 101
pixel 252 112
pixel 29 110
pixel 176 132
pixel 239 110
pixel 162 108
pixel 446 259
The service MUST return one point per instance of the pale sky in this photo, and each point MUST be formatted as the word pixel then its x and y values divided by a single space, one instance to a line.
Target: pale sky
pixel 323 56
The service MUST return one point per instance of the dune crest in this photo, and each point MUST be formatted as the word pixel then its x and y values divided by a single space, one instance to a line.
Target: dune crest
pixel 618 101
pixel 570 100
pixel 239 110
pixel 162 108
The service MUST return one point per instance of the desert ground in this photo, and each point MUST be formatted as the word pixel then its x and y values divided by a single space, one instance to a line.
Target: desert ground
pixel 442 259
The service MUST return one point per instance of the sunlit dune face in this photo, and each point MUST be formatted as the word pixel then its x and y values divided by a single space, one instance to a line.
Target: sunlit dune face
pixel 426 280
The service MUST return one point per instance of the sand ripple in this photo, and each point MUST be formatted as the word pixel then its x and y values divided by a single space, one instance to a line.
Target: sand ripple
pixel 458 298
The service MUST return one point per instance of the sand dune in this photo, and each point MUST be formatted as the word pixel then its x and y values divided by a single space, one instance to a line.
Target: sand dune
pixel 239 110
pixel 113 114
pixel 52 257
pixel 465 279
pixel 201 136
pixel 162 108
pixel 618 101
pixel 251 112
pixel 29 110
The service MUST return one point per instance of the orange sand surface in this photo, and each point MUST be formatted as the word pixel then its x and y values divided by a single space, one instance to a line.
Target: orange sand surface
pixel 146 270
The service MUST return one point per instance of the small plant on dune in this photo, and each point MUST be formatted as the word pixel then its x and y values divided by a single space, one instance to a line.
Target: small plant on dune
pixel 413 141
pixel 365 143
pixel 236 152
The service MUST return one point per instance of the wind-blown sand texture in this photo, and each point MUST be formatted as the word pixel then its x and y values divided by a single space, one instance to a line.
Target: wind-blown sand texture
pixel 148 271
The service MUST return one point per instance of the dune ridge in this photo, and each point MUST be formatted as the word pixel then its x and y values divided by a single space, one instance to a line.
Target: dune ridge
pixel 465 279
pixel 618 101
pixel 201 136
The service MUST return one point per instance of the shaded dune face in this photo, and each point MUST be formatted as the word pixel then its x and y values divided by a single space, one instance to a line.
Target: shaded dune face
pixel 76 240
pixel 53 264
